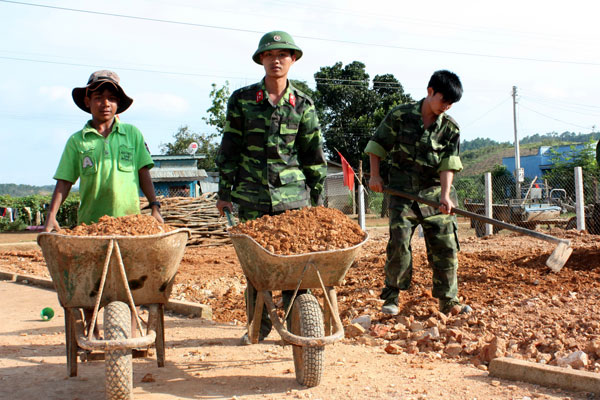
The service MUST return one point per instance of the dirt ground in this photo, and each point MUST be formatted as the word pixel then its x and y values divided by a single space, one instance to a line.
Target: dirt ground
pixel 521 309
pixel 204 361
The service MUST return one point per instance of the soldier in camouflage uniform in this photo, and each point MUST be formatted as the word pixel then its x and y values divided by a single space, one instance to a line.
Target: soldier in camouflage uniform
pixel 271 156
pixel 423 144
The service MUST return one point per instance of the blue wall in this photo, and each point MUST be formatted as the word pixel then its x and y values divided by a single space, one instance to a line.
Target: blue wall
pixel 162 188
pixel 537 164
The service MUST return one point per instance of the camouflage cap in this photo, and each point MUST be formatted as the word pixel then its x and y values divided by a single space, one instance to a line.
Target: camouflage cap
pixel 96 80
pixel 276 40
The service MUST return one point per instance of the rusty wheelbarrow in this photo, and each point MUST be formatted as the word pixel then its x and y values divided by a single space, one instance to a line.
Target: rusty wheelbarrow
pixel 312 326
pixel 117 273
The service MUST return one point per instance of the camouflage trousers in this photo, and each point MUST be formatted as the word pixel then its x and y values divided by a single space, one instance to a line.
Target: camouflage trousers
pixel 247 214
pixel 440 233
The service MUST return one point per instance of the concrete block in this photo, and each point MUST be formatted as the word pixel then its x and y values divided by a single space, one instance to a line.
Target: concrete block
pixel 30 279
pixel 545 375
pixel 177 306
pixel 188 308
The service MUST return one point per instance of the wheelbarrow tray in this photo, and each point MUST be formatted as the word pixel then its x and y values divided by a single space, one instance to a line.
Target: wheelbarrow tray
pixel 269 271
pixel 75 264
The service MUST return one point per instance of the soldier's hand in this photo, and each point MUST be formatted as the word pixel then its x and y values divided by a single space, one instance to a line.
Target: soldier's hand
pixel 447 205
pixel 221 205
pixel 376 184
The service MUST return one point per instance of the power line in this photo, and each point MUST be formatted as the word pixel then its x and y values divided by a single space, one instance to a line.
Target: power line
pixel 148 19
pixel 428 21
pixel 556 119
pixel 350 82
pixel 120 68
pixel 547 99
pixel 487 112
pixel 571 109
pixel 384 84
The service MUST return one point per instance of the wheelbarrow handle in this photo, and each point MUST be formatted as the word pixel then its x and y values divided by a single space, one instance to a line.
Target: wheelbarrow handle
pixel 478 217
pixel 230 220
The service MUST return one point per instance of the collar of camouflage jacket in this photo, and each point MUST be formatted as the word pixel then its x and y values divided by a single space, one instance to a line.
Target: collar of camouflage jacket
pixel 288 96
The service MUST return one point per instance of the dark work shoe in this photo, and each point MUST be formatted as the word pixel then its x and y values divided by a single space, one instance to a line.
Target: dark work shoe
pixel 245 340
pixel 454 307
pixel 390 306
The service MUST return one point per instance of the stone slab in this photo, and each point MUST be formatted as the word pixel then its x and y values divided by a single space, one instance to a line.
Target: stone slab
pixel 177 306
pixel 545 375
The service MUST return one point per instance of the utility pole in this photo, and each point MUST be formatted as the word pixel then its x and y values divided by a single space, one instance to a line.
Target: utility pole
pixel 518 171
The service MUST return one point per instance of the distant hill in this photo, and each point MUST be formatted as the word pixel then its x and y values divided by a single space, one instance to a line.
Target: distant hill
pixel 477 162
pixel 14 190
pixel 480 155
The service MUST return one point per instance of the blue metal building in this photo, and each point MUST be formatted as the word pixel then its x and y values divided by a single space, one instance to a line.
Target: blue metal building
pixel 538 164
pixel 177 175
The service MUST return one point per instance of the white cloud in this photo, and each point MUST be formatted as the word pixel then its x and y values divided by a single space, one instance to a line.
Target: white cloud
pixel 163 102
pixel 56 93
pixel 554 92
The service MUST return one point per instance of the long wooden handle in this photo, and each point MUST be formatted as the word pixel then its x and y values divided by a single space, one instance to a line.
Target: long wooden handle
pixel 229 217
pixel 478 217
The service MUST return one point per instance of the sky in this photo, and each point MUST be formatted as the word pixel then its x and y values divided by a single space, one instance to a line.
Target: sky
pixel 168 53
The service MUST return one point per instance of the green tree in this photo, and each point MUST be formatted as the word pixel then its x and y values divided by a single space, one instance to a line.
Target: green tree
pixel 303 86
pixel 390 92
pixel 468 188
pixel 503 184
pixel 561 174
pixel 207 142
pixel 350 110
pixel 183 137
pixel 217 112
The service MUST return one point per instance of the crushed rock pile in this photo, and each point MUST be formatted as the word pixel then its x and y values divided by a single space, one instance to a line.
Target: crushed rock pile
pixel 303 231
pixel 130 225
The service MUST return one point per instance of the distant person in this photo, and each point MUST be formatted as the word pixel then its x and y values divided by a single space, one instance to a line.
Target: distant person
pixel 422 142
pixel 271 156
pixel 109 158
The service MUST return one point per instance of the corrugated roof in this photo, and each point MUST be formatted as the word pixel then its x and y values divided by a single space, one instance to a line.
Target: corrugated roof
pixel 177 174
pixel 160 157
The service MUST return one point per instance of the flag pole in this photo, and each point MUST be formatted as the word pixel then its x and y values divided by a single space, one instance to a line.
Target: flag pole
pixel 361 199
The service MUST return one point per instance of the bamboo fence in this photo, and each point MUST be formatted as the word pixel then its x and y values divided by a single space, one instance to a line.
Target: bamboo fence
pixel 199 214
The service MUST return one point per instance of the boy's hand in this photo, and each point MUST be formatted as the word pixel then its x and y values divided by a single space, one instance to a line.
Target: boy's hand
pixel 51 224
pixel 156 214
pixel 376 183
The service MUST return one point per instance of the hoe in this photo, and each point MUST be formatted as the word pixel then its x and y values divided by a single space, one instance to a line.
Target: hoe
pixel 555 262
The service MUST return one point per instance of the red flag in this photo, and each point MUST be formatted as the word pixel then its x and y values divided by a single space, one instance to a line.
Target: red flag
pixel 348 173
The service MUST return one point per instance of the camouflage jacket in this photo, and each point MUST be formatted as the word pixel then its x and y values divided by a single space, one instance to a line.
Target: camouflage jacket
pixel 271 157
pixel 418 155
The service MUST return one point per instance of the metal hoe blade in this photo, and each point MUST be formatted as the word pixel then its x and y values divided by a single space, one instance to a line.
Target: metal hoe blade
pixel 559 256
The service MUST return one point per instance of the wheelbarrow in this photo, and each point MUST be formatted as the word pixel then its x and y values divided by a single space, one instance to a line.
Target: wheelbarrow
pixel 312 326
pixel 117 273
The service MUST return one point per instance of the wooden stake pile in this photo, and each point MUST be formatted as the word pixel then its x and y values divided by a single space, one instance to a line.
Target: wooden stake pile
pixel 199 214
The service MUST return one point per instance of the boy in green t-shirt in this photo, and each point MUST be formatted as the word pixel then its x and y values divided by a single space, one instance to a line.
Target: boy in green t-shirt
pixel 109 158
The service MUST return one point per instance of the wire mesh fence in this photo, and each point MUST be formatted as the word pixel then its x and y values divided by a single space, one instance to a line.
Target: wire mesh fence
pixel 547 201
pixel 540 202
pixel 172 191
pixel 336 195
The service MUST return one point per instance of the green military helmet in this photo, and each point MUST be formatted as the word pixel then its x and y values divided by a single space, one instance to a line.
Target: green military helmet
pixel 276 40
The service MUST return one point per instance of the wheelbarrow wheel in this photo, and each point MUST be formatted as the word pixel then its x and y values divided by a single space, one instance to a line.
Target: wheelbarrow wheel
pixel 118 365
pixel 307 321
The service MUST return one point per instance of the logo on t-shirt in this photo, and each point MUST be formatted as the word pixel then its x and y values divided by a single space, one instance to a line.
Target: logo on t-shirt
pixel 87 162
